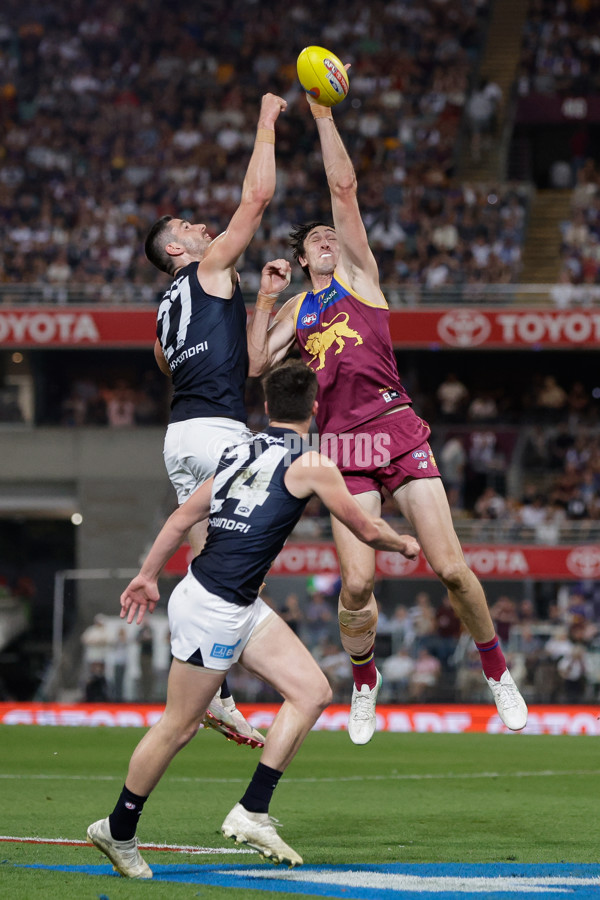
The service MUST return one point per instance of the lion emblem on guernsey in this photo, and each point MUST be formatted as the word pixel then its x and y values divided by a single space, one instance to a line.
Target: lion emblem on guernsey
pixel 319 342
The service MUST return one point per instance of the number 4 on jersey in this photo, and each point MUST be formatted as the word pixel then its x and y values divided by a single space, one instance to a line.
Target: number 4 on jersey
pixel 251 485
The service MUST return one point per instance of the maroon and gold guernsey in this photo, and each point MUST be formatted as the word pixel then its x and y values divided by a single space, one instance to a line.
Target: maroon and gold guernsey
pixel 346 342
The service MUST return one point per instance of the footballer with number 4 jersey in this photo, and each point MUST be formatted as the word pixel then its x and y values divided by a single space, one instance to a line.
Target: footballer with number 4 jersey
pixel 216 617
pixel 367 424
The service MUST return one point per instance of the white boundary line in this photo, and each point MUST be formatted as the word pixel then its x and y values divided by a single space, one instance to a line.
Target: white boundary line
pixel 437 776
pixel 171 848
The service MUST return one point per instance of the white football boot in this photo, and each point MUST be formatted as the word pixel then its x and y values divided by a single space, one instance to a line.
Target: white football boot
pixel 512 709
pixel 124 855
pixel 258 831
pixel 363 721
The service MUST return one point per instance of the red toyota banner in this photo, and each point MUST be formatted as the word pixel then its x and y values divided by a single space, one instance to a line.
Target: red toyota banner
pixel 470 328
pixel 83 327
pixel 460 328
pixel 434 718
pixel 489 561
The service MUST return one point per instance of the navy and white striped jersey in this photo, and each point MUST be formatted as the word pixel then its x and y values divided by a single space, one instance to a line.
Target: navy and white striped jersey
pixel 251 515
pixel 203 338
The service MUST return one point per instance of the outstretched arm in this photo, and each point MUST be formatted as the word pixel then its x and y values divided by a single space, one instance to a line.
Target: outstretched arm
pixel 313 473
pixel 357 263
pixel 269 342
pixel 141 594
pixel 257 190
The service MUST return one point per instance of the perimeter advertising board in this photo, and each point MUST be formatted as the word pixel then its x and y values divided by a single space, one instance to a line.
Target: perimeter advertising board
pixel 460 328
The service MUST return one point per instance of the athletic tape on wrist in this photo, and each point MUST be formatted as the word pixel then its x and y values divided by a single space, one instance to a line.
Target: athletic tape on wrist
pixel 320 112
pixel 265 136
pixel 266 301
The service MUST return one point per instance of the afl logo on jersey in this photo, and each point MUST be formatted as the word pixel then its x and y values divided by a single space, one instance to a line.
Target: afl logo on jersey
pixel 419 454
pixel 309 319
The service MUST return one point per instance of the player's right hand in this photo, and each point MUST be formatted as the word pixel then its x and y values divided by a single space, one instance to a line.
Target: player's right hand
pixel 140 595
pixel 270 107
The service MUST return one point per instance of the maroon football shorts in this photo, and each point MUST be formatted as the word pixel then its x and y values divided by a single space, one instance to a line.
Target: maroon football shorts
pixel 383 452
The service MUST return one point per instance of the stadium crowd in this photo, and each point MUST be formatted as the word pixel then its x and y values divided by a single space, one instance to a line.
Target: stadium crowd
pixel 561 48
pixel 554 646
pixel 580 242
pixel 106 126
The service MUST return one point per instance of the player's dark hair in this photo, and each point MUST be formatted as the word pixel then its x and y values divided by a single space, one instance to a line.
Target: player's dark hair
pixel 290 392
pixel 297 238
pixel 154 246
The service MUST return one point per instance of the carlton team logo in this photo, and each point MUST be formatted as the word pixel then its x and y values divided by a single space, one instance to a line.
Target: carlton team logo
pixel 584 562
pixel 334 332
pixel 464 328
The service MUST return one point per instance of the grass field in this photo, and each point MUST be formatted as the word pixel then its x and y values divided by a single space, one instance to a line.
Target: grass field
pixel 431 798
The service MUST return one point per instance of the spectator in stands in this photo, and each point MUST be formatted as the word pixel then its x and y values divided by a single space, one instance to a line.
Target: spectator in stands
pixel 481 109
pixel 292 613
pixel 118 658
pixel 120 405
pixel 452 396
pixel 422 617
pixel 97 689
pixel 530 647
pixel 533 510
pixel 425 677
pixel 504 614
pixel 452 461
pixel 334 661
pixel 397 672
pixel 536 454
pixel 95 640
pixel 145 640
pixel 468 678
pixel 320 620
pixel 571 668
pixel 578 403
pixel 551 398
pixel 490 504
pixel 448 629
pixel 483 407
pixel 401 627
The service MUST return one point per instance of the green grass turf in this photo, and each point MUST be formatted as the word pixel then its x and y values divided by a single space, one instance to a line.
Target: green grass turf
pixel 402 798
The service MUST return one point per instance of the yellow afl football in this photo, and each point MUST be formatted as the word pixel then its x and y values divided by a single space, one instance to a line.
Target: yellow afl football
pixel 322 75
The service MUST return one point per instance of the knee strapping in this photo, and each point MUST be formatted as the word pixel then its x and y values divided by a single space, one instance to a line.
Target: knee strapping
pixel 358 627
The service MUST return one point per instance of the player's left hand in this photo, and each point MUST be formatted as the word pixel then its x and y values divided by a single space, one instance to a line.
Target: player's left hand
pixel 140 596
pixel 411 546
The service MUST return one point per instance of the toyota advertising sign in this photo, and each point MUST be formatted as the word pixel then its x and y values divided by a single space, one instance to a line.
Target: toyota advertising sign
pixel 498 562
pixel 460 328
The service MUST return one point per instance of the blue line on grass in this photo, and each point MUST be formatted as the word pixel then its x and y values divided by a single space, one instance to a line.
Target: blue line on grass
pixel 438 881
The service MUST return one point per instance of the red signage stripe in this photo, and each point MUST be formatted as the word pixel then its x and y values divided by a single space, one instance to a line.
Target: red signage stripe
pixel 450 328
pixel 438 718
pixel 568 562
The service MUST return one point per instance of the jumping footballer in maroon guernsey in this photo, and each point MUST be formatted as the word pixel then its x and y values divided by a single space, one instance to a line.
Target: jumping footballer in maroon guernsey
pixel 368 426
